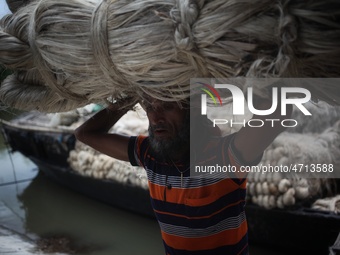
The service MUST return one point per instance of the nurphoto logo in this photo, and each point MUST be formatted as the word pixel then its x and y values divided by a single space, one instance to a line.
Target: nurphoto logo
pixel 239 100
pixel 262 108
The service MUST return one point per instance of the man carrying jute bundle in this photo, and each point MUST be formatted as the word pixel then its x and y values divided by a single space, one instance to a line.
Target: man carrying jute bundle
pixel 196 215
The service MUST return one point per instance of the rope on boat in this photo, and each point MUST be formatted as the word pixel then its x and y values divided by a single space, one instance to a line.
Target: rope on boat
pixel 16 181
pixel 11 160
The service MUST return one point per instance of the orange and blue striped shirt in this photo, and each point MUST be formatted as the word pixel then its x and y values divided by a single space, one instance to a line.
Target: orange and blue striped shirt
pixel 197 216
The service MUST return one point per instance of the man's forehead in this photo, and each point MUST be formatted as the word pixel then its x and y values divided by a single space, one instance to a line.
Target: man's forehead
pixel 151 99
pixel 147 99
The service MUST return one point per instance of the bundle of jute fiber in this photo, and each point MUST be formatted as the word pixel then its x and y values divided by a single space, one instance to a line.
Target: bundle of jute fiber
pixel 68 53
pixel 286 188
pixel 89 162
pixel 323 117
pixel 274 191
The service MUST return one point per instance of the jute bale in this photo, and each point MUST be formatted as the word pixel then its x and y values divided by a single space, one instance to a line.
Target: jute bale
pixel 296 148
pixel 89 162
pixel 68 53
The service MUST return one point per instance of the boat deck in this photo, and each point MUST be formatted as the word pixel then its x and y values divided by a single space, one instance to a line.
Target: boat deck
pixel 36 121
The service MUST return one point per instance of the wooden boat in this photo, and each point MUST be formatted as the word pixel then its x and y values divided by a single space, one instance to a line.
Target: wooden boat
pixel 49 149
pixel 300 229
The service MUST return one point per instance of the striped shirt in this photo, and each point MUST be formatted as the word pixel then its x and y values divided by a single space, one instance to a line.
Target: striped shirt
pixel 197 216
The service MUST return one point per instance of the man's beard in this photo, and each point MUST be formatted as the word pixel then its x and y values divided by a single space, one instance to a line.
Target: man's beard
pixel 169 148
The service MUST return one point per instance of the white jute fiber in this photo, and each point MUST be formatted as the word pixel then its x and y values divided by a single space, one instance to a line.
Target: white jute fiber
pixel 69 53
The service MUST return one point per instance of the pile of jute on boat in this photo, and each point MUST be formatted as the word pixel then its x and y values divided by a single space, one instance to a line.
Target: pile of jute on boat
pixel 68 53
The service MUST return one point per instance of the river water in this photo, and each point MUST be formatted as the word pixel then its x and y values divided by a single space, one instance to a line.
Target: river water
pixel 65 221
pixel 42 209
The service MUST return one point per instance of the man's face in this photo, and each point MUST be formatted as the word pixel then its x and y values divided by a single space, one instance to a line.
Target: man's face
pixel 169 127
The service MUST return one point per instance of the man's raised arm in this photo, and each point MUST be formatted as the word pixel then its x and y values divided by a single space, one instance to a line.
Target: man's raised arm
pixel 94 132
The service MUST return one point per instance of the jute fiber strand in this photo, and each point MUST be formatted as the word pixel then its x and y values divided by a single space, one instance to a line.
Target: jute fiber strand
pixel 68 53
